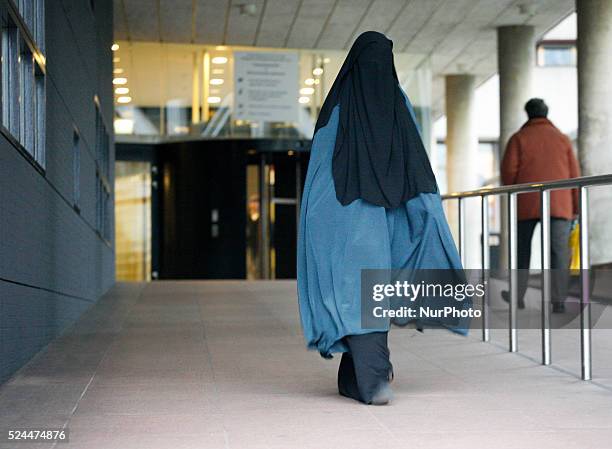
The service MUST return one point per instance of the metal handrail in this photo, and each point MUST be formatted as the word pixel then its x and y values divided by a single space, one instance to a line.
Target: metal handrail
pixel 571 183
pixel 544 189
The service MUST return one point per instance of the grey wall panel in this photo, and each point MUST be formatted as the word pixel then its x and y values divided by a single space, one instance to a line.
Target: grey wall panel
pixel 104 39
pixel 53 262
pixel 48 245
pixel 29 319
pixel 88 187
pixel 59 144
pixel 81 22
pixel 75 85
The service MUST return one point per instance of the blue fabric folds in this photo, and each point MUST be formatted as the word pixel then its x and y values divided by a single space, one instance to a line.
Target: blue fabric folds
pixel 336 242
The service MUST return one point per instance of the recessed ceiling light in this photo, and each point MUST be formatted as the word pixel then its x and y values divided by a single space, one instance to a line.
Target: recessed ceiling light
pixel 317 81
pixel 115 47
pixel 318 71
pixel 304 100
pixel 219 60
pixel 218 71
pixel 214 100
pixel 120 81
pixel 220 47
pixel 309 81
pixel 326 60
pixel 306 91
pixel 117 71
pixel 116 60
pixel 216 81
pixel 124 99
pixel 122 90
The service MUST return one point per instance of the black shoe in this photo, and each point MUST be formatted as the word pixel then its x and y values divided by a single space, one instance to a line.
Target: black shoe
pixel 558 307
pixel 505 294
pixel 383 395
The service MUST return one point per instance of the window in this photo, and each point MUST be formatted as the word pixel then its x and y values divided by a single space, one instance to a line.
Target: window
pixel 76 169
pixel 23 75
pixel 556 54
pixel 98 203
pixel 10 78
pixel 102 143
pixel 26 95
pixel 103 224
pixel 32 13
pixel 102 147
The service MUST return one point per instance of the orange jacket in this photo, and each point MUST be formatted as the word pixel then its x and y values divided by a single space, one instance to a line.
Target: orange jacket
pixel 539 152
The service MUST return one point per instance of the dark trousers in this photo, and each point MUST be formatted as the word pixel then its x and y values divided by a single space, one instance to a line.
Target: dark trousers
pixel 365 367
pixel 559 256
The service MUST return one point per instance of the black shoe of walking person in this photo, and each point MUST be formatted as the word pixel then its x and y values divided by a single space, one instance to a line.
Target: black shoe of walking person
pixel 505 294
pixel 383 395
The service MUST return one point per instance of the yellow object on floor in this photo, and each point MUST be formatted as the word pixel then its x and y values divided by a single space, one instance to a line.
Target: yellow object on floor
pixel 574 244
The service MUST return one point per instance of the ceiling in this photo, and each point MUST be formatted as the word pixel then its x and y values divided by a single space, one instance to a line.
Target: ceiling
pixel 458 36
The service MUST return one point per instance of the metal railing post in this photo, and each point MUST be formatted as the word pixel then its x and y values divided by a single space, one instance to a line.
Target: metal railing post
pixel 545 237
pixel 544 189
pixel 585 295
pixel 461 211
pixel 486 265
pixel 512 265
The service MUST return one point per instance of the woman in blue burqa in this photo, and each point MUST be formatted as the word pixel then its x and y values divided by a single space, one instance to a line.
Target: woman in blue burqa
pixel 370 201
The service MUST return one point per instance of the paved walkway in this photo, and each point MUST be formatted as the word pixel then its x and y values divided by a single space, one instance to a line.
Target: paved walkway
pixel 223 365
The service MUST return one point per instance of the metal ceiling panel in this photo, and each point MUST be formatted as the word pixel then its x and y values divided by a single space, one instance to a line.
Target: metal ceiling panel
pixel 410 21
pixel 465 33
pixel 175 20
pixel 310 20
pixel 379 17
pixel 342 22
pixel 209 21
pixel 276 22
pixel 242 27
pixel 457 35
pixel 143 19
pixel 443 20
pixel 119 21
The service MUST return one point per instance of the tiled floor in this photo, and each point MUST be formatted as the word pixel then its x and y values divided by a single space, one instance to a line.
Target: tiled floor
pixel 223 365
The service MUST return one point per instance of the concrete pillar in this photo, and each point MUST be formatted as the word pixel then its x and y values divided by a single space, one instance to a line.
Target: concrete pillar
pixel 515 63
pixel 595 116
pixel 462 155
pixel 461 135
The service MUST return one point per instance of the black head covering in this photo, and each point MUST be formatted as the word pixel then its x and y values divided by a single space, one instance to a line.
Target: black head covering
pixel 379 156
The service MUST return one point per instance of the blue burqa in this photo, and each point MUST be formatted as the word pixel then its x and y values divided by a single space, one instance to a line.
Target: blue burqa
pixel 336 242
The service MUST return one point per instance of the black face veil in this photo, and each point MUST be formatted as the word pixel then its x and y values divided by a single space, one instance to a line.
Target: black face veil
pixel 379 156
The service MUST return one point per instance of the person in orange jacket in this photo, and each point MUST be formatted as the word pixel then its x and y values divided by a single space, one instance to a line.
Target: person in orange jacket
pixel 539 152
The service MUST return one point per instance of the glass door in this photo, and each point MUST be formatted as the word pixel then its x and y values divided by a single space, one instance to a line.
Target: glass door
pixel 273 188
pixel 133 221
